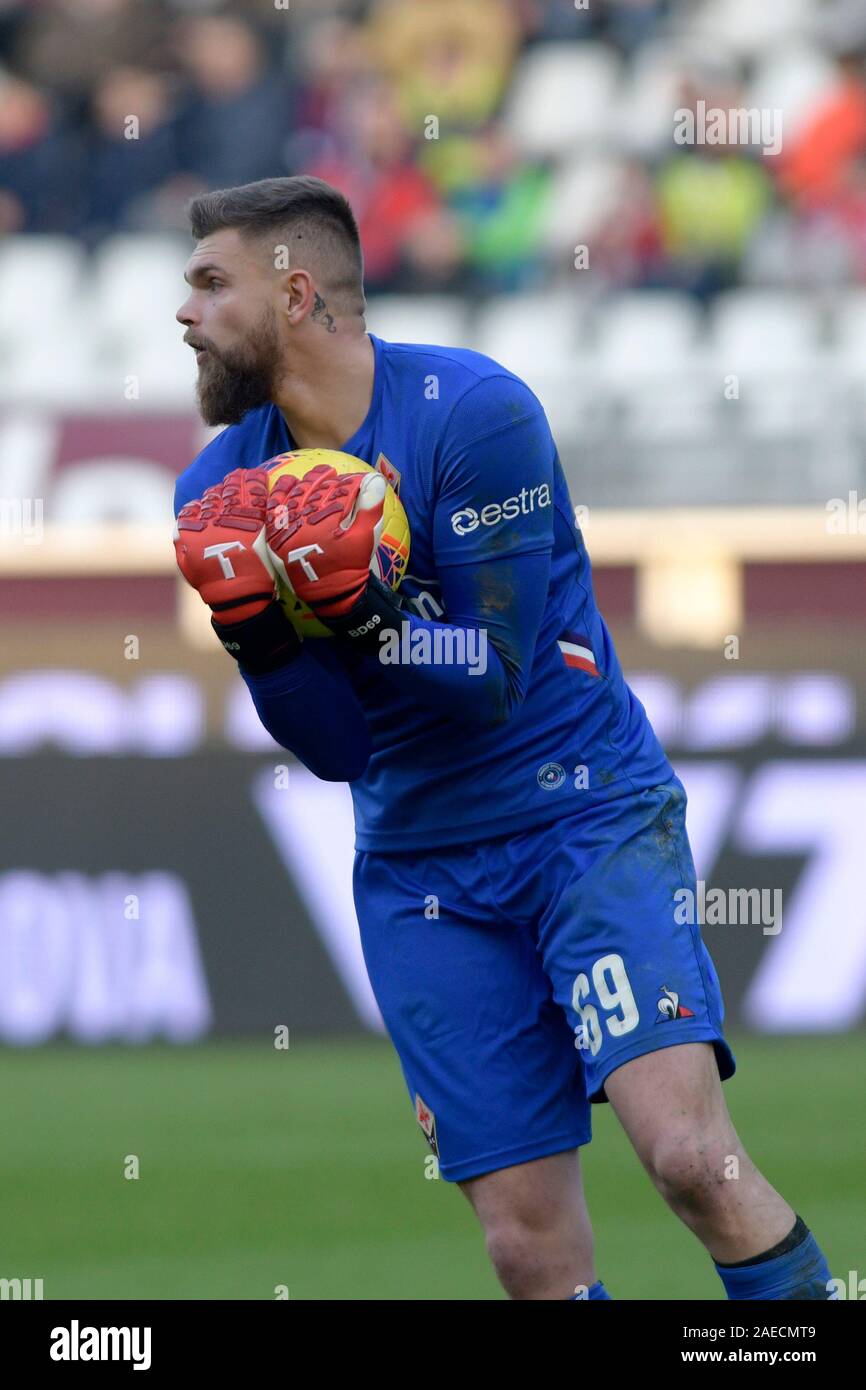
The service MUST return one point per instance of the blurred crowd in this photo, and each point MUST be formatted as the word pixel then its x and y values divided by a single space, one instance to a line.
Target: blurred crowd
pixel 114 112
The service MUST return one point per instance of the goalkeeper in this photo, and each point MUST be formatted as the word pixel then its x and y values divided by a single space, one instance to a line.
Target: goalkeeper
pixel 530 799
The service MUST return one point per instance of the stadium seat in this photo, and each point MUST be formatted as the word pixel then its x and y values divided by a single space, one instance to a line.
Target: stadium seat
pixel 578 408
pixel 651 94
pixel 40 280
pixel 791 80
pixel 139 285
pixel 43 371
pixel 646 351
pixel 562 97
pixel 531 332
pixel 666 409
pixel 122 488
pixel 646 331
pixel 748 28
pixel 585 192
pixel 848 356
pixel 164 369
pixel 849 327
pixel 418 319
pixel 764 330
pixel 771 343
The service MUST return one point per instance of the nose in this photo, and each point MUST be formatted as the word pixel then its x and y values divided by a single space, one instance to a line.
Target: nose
pixel 184 314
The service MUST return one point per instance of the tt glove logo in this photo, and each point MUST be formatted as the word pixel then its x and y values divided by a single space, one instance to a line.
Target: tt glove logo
pixel 231 646
pixel 521 504
pixel 220 551
pixel 301 556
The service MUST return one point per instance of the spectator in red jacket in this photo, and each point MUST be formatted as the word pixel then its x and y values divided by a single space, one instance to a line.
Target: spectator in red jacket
pixel 405 230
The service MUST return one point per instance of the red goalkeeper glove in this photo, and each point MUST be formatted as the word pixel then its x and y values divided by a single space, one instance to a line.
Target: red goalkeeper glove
pixel 322 533
pixel 322 530
pixel 219 542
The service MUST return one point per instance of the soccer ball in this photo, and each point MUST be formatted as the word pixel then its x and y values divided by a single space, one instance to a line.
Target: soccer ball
pixel 391 555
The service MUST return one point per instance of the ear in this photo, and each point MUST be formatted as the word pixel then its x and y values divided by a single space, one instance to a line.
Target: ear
pixel 298 295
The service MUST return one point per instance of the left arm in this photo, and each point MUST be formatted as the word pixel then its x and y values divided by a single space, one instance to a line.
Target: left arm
pixel 493 540
pixel 485 647
pixel 492 531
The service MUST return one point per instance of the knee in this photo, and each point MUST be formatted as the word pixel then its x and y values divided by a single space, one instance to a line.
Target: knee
pixel 690 1171
pixel 539 1259
pixel 516 1253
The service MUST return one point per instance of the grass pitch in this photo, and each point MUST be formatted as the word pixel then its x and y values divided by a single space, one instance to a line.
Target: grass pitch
pixel 306 1169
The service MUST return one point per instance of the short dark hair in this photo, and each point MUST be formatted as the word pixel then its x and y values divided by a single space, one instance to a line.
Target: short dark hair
pixel 297 208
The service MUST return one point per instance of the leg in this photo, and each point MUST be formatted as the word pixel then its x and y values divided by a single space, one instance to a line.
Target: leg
pixel 536 1225
pixel 671 1106
pixel 489 1061
pixel 641 992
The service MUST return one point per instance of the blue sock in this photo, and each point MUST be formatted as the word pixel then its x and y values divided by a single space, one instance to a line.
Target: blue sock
pixel 793 1269
pixel 596 1290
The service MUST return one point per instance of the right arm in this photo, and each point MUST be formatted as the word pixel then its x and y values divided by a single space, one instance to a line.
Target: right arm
pixel 315 714
pixel 308 707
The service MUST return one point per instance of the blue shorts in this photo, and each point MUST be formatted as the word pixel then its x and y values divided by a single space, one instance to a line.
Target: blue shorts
pixel 514 975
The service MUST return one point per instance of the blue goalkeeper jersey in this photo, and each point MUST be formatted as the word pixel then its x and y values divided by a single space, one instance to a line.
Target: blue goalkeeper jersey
pixel 469 449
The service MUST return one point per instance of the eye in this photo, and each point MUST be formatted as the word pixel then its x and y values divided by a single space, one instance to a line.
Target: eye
pixel 213 281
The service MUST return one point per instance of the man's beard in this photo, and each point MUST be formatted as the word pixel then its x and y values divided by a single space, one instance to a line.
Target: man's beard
pixel 234 382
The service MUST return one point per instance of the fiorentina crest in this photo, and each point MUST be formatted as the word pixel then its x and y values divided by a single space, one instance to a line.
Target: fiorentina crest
pixel 389 472
pixel 427 1120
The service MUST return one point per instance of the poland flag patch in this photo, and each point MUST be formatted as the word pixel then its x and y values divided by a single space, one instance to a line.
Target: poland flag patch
pixel 577 653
